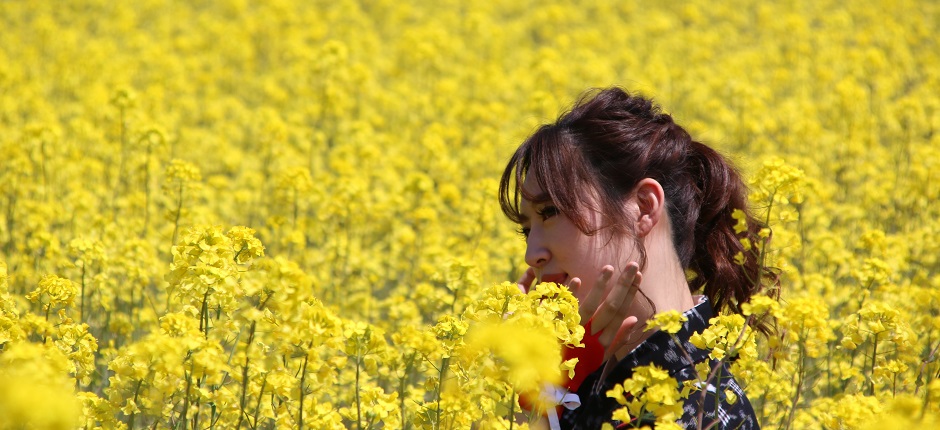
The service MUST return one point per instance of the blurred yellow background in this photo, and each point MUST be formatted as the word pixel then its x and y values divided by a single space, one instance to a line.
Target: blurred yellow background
pixel 362 142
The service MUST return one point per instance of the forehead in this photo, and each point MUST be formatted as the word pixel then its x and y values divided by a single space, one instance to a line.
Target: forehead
pixel 532 191
pixel 530 187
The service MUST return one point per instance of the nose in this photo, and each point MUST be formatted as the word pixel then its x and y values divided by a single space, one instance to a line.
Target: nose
pixel 536 254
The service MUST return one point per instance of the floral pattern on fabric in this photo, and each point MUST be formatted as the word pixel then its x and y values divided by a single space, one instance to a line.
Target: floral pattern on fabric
pixel 660 349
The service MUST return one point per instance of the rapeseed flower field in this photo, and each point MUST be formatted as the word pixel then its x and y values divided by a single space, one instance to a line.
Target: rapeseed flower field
pixel 283 214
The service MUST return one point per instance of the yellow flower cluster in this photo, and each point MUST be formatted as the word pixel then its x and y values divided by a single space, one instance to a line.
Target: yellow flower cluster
pixel 727 335
pixel 669 322
pixel 283 214
pixel 650 392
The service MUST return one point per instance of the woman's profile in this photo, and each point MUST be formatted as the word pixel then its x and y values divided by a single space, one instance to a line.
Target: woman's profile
pixel 619 203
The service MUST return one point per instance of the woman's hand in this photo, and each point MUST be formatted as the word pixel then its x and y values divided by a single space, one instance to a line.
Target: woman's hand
pixel 605 306
pixel 526 280
pixel 608 307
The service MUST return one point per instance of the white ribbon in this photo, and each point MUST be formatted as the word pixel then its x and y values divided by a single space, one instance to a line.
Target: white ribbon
pixel 710 388
pixel 553 396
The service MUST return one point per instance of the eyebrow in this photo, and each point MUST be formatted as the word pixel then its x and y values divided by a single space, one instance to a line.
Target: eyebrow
pixel 541 198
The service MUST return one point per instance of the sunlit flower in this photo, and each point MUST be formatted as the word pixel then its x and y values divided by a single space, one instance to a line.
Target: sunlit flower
pixel 668 321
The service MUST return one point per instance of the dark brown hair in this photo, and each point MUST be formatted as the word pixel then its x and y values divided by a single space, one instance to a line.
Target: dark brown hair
pixel 608 143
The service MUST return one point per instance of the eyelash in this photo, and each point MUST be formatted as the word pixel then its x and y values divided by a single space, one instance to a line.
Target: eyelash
pixel 545 213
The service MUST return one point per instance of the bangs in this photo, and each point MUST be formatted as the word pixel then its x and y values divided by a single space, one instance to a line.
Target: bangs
pixel 558 168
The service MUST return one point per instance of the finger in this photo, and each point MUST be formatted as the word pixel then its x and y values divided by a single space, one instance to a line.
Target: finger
pixel 622 351
pixel 526 280
pixel 593 299
pixel 633 289
pixel 620 339
pixel 632 276
pixel 613 307
pixel 574 285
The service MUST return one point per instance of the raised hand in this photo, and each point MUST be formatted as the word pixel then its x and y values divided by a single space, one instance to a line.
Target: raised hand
pixel 527 279
pixel 607 306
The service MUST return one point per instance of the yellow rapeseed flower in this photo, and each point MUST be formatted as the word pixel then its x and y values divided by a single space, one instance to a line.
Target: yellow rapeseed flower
pixel 669 321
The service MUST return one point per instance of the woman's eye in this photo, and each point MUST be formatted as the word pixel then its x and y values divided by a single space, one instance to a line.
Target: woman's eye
pixel 548 212
pixel 523 231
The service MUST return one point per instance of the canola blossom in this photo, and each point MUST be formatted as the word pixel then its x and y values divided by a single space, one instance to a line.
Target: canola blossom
pixel 284 214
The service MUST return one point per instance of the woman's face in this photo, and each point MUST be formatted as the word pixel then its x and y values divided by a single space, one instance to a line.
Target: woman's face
pixel 559 251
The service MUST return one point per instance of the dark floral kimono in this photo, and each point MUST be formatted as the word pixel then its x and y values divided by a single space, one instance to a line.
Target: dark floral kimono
pixel 596 408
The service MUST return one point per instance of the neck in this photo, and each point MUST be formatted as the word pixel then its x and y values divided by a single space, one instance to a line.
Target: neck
pixel 664 286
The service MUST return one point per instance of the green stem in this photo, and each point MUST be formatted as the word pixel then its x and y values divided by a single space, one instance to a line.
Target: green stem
pixel 402 386
pixel 189 384
pixel 264 381
pixel 204 315
pixel 763 245
pixel 874 353
pixel 799 384
pixel 130 423
pixel 48 308
pixel 176 221
pixel 440 387
pixel 81 306
pixel 121 161
pixel 198 412
pixel 11 222
pixel 296 210
pixel 146 228
pixel 923 410
pixel 303 377
pixel 512 408
pixel 241 405
pixel 829 370
pixel 358 399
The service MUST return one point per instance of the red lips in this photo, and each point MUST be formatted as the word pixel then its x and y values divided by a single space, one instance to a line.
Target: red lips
pixel 558 278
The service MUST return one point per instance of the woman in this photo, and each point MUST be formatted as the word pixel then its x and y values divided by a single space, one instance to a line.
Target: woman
pixel 617 202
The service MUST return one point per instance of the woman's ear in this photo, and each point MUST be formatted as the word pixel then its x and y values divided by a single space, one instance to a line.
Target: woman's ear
pixel 651 202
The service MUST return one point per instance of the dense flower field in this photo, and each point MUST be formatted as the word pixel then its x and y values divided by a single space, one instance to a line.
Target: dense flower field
pixel 283 214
